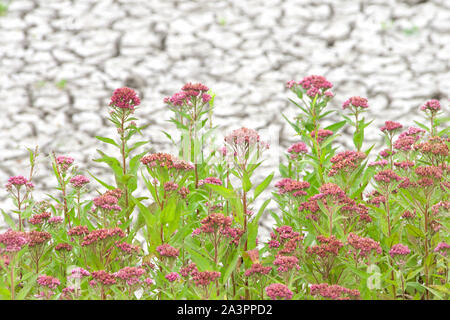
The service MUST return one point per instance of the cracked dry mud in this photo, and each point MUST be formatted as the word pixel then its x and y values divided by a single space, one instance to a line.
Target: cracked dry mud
pixel 60 61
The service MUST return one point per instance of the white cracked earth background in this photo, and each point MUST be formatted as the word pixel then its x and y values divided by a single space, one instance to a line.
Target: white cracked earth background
pixel 60 61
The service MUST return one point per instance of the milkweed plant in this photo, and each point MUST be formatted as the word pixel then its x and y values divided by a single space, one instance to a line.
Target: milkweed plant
pixel 349 224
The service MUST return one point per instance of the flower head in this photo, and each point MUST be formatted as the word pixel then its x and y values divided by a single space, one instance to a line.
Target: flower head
pixel 278 291
pixel 64 162
pixel 293 187
pixel 257 269
pixel 124 98
pixel 346 161
pixel 399 250
pixel 79 181
pixel 443 248
pixel 431 105
pixel 356 102
pixel 14 240
pixel 173 276
pixel 48 281
pixel 204 278
pixel 105 278
pixel 210 180
pixel 166 250
pixel 18 181
pixel 321 134
pixel 391 126
pixel 334 292
pixel 296 149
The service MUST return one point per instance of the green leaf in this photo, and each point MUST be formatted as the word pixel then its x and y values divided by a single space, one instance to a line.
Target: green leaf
pixel 107 140
pixel 336 126
pixel 202 262
pixel 31 282
pixel 109 187
pixel 414 231
pixel 253 226
pixel 262 186
pixel 8 220
pixel 246 183
pixel 228 269
pixel 112 162
pixel 224 192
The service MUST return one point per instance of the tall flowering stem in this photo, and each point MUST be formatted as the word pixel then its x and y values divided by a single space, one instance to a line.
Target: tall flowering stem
pixel 61 165
pixel 357 105
pixel 314 94
pixel 168 176
pixel 122 106
pixel 192 106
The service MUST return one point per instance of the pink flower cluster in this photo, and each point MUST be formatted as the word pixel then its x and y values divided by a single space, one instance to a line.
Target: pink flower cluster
pixel 257 269
pixel 284 238
pixel 407 139
pixel 330 190
pixel 124 98
pixel 404 165
pixel 326 247
pixel 408 214
pixel 98 235
pixel 128 248
pixel 166 250
pixel 79 273
pixel 436 146
pixel 356 102
pixel 315 84
pixel 130 275
pixel 107 202
pixel 79 181
pixel 432 172
pixel 170 186
pixel 63 247
pixel 78 231
pixel 296 149
pixel 189 91
pixel 321 134
pixel 64 162
pixel 204 278
pixel 189 269
pixel 362 247
pixel 399 250
pixel 442 248
pixel 346 161
pixel 167 161
pixel 391 126
pixel 173 276
pixel 55 220
pixel 278 291
pixel 48 281
pixel 387 176
pixel 18 181
pixel 431 105
pixel 37 238
pixel 210 180
pixel 13 240
pixel 379 163
pixel 39 218
pixel 105 278
pixel 286 263
pixel 291 186
pixel 215 222
pixel 334 292
pixel 243 136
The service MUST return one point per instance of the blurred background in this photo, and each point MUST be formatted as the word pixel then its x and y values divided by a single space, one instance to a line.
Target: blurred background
pixel 60 61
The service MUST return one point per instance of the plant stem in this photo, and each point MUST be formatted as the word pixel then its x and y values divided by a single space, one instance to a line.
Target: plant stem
pixel 124 165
